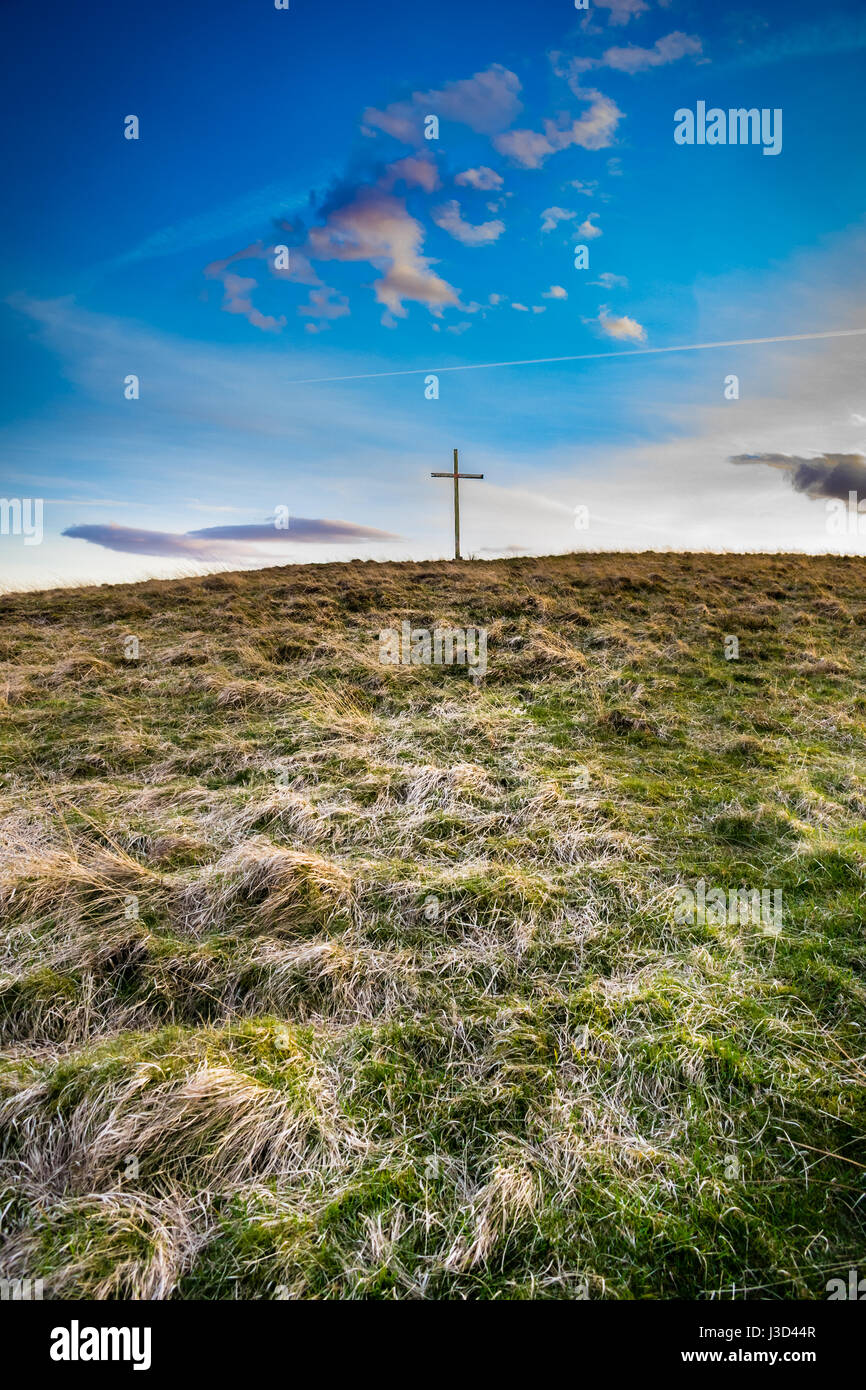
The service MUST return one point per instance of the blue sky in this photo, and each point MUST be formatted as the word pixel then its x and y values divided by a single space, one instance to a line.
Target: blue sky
pixel 304 388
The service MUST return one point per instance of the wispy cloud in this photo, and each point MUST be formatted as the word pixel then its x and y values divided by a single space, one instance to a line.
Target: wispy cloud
pixel 669 49
pixel 237 301
pixel 486 102
pixel 621 11
pixel 240 215
pixel 324 304
pixel 832 34
pixel 588 189
pixel 630 58
pixel 609 281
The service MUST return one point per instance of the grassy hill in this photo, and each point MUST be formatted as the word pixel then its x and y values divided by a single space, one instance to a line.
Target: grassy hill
pixel 328 978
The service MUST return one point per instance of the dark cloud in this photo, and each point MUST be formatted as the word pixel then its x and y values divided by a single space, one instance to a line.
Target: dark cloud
pixel 300 528
pixel 224 542
pixel 826 475
pixel 132 541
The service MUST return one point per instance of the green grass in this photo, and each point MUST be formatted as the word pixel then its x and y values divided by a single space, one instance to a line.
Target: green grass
pixel 329 979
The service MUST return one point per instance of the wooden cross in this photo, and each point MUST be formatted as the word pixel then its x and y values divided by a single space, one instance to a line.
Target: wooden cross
pixel 455 475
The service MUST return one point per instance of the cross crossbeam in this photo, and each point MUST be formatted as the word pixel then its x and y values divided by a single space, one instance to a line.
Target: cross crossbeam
pixel 456 476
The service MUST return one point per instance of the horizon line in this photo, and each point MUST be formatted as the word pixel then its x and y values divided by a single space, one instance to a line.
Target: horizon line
pixel 229 567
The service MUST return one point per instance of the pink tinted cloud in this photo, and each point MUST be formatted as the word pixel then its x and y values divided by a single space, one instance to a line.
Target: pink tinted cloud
pixel 374 226
pixel 414 172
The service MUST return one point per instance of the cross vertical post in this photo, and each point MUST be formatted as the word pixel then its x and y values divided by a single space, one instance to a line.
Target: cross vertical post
pixel 456 475
pixel 456 510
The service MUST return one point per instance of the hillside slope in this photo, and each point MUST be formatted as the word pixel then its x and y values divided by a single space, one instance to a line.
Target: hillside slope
pixel 329 978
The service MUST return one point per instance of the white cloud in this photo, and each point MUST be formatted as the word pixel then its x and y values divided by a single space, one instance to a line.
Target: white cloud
pixel 450 219
pixel 482 177
pixel 619 326
pixel 555 292
pixel 588 228
pixel 594 130
pixel 608 281
pixel 551 216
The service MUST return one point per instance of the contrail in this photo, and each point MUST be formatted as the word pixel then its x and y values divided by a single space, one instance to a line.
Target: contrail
pixel 585 356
